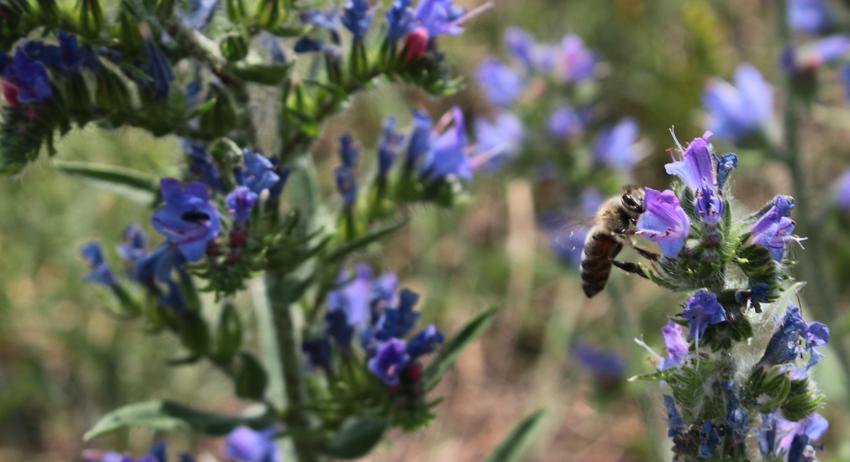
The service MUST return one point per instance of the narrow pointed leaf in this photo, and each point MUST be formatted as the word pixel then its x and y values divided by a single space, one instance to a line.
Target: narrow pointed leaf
pixel 363 241
pixel 356 437
pixel 131 183
pixel 449 353
pixel 515 444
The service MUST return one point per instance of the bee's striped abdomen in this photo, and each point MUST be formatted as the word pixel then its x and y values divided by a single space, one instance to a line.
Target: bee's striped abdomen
pixel 600 248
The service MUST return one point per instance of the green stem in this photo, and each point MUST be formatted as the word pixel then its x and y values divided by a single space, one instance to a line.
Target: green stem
pixel 816 278
pixel 628 332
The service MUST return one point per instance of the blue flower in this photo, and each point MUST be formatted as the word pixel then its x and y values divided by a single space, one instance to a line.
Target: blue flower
pixel 615 146
pixel 258 173
pixel 842 190
pixel 737 416
pixel 100 271
pixel 675 423
pixel 25 80
pixel 420 138
pixel 348 152
pixel 810 16
pixel 815 54
pixel 244 444
pixel 794 437
pixel 132 247
pixel 725 164
pixel 696 170
pixel 447 156
pixel 387 147
pixel 240 201
pixel 675 343
pixel 602 364
pixel 69 58
pixel 735 112
pixel 398 321
pixel 389 360
pixel 521 46
pixel 201 164
pixel 664 221
pixel 702 310
pixel 773 230
pixel 564 123
pixel 187 219
pixel 346 184
pixel 318 352
pixel 399 20
pixel 497 140
pixel 199 13
pixel 709 441
pixel 502 85
pixel 353 298
pixel 424 342
pixel 156 453
pixel 159 69
pixel 578 62
pixel 786 343
pixel 443 17
pixel 356 17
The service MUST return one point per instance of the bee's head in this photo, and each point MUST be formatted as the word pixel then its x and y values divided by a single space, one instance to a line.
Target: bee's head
pixel 632 200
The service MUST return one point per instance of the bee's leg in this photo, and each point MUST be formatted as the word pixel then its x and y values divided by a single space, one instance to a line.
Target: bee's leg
pixel 630 267
pixel 647 254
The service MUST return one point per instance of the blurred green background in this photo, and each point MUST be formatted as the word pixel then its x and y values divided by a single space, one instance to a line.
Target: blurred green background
pixel 64 361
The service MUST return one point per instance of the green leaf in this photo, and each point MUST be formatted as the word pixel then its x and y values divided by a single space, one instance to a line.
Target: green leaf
pixel 356 437
pixel 513 446
pixel 362 241
pixel 266 74
pixel 167 415
pixel 229 334
pixel 250 377
pixel 649 377
pixel 131 183
pixel 449 353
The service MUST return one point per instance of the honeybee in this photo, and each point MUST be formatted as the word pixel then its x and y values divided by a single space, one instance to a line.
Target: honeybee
pixel 614 225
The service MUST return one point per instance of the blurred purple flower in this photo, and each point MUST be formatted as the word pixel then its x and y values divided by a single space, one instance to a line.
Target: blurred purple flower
pixel 353 298
pixel 447 155
pixel 615 146
pixel 813 55
pixel 521 46
pixel 356 17
pixel 100 272
pixel 794 437
pixel 842 190
pixel 773 230
pixel 201 164
pixel 239 202
pixel 389 359
pixel 602 364
pixel 696 170
pixel 424 342
pixel 498 139
pixel 387 147
pixel 132 247
pixel 702 310
pixel 784 345
pixel 399 20
pixel 664 221
pixel 578 62
pixel 810 16
pixel 396 322
pixel 443 17
pixel 245 444
pixel 25 80
pixel 675 343
pixel 258 173
pixel 502 85
pixel 187 219
pixel 564 123
pixel 735 112
pixel 420 138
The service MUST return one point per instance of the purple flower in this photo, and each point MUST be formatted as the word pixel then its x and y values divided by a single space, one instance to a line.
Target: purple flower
pixel 25 80
pixel 602 364
pixel 420 138
pixel 387 147
pixel 346 184
pixel 199 13
pixel 498 139
pixel 258 173
pixel 502 85
pixel 785 345
pixel 565 123
pixel 810 16
pixel 664 221
pixel 424 342
pixel 725 164
pixel 187 219
pixel 842 189
pixel 773 230
pixel 155 454
pixel 68 58
pixel 399 20
pixel 735 112
pixel 578 62
pixel 354 298
pixel 521 46
pixel 348 152
pixel 132 248
pixel 675 343
pixel 793 437
pixel 702 310
pixel 815 54
pixel 356 17
pixel 443 17
pixel 696 170
pixel 239 203
pixel 389 360
pixel 615 146
pixel 157 265
pixel 201 164
pixel 397 322
pixel 447 156
pixel 100 271
pixel 244 444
